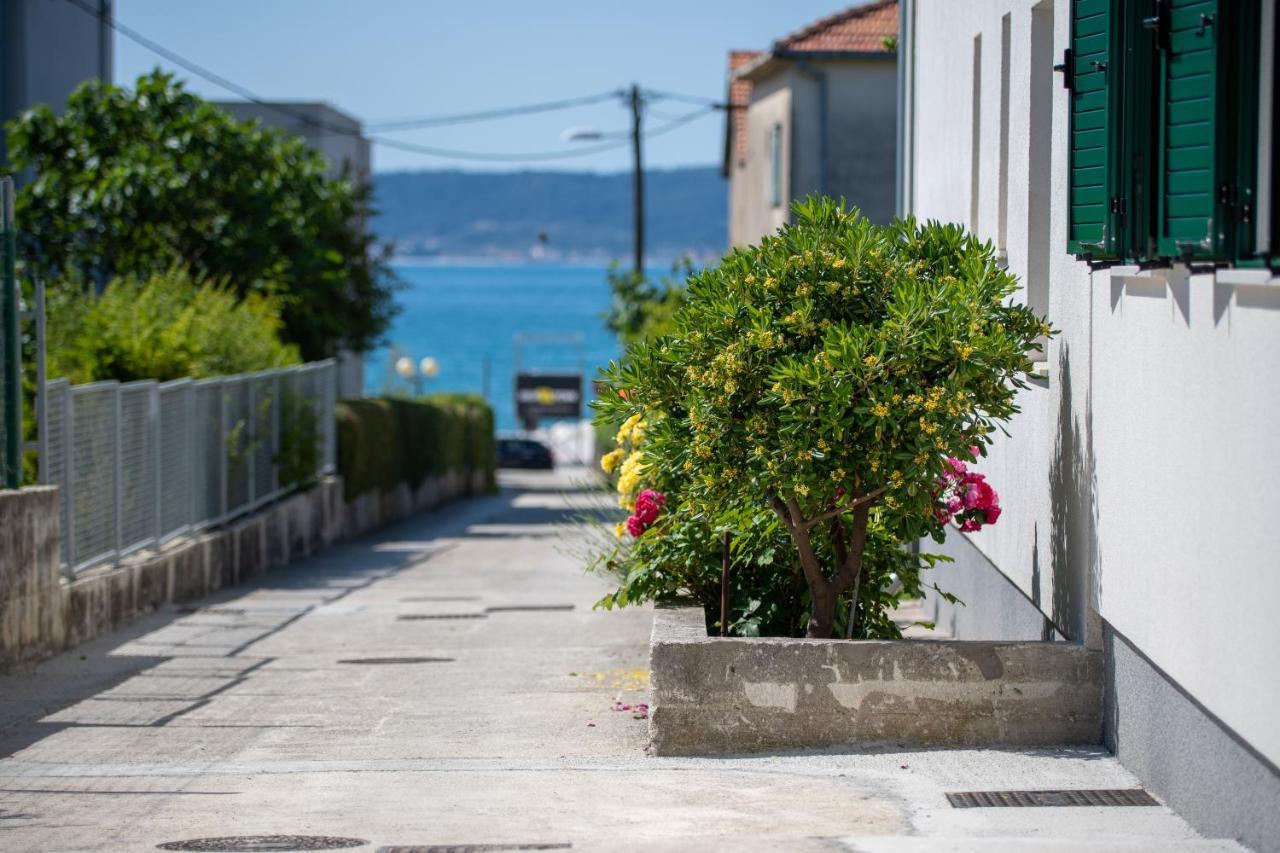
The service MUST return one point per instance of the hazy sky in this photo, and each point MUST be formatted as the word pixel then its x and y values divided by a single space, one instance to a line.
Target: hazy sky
pixel 385 59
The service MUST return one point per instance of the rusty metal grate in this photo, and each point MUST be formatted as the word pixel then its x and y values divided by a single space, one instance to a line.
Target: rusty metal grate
pixel 528 608
pixel 472 848
pixel 1046 799
pixel 389 661
pixel 418 617
pixel 261 843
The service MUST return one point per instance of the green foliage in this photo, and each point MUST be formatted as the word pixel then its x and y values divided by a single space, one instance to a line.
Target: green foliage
pixel 385 441
pixel 133 183
pixel 824 376
pixel 642 309
pixel 163 327
pixel 298 458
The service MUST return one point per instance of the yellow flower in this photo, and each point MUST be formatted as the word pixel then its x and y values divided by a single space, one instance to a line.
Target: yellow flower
pixel 871 361
pixel 611 459
pixel 624 432
pixel 928 427
pixel 838 263
pixel 730 386
pixel 619 529
pixel 965 351
pixel 896 479
pixel 880 410
pixel 802 490
pixel 629 475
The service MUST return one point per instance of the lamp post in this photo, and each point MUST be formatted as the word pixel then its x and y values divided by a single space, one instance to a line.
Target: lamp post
pixel 419 374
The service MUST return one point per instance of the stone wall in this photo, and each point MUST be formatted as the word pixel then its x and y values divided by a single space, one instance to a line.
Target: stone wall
pixel 42 613
pixel 736 695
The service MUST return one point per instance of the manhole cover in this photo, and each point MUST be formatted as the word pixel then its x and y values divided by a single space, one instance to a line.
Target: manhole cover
pixel 417 617
pixel 528 608
pixel 1047 799
pixel 255 843
pixel 381 661
pixel 471 848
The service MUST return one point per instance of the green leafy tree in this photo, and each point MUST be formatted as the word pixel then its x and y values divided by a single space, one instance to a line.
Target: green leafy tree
pixel 134 182
pixel 826 375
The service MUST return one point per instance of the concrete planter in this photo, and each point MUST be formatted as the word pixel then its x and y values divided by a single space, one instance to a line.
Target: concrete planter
pixel 734 695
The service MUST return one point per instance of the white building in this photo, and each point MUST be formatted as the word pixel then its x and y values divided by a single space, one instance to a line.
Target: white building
pixel 1140 481
pixel 340 138
pixel 816 113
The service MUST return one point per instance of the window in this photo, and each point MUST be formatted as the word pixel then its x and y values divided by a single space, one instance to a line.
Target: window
pixel 1164 137
pixel 775 165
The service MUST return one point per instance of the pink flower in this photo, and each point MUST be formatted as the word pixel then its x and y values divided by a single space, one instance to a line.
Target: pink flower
pixel 635 526
pixel 992 514
pixel 956 466
pixel 954 505
pixel 973 451
pixel 648 504
pixel 942 515
pixel 970 526
pixel 979 495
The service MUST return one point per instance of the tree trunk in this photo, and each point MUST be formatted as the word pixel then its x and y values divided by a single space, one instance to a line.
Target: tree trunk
pixel 822 620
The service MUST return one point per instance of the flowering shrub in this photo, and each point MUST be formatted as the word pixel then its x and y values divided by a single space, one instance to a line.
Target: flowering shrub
pixel 810 398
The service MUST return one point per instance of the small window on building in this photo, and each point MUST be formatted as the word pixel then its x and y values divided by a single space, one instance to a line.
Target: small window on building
pixel 775 165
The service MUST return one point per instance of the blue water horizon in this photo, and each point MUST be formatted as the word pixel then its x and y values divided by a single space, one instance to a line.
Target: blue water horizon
pixel 466 314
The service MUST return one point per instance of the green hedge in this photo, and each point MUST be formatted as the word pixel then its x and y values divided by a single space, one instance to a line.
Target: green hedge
pixel 386 441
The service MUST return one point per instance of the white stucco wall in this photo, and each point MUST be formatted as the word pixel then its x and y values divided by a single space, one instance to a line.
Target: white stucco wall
pixel 1140 476
pixel 751 216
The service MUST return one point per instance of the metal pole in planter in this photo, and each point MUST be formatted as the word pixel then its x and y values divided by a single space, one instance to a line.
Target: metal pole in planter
pixel 11 357
pixel 724 586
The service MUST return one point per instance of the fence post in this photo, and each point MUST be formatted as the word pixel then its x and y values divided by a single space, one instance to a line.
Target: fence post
pixel 68 476
pixel 156 442
pixel 10 359
pixel 223 447
pixel 117 467
pixel 42 386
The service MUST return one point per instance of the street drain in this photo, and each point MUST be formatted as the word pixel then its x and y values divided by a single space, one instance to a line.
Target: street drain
pixel 417 617
pixel 1044 799
pixel 471 848
pixel 257 843
pixel 528 608
pixel 381 661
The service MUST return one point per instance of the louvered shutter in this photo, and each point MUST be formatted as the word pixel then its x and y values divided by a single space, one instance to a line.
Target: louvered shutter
pixel 1191 221
pixel 1094 218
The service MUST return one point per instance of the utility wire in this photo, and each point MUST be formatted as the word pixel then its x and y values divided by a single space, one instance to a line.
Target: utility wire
pixel 658 94
pixel 486 115
pixel 306 118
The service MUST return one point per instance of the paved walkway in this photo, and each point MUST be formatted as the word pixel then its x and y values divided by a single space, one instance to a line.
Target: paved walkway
pixel 247 717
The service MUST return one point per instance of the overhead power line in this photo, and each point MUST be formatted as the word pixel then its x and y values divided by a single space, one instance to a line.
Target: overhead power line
pixel 416 122
pixel 618 141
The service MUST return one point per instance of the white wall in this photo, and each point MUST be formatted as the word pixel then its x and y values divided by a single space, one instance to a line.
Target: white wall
pixel 751 215
pixel 1140 478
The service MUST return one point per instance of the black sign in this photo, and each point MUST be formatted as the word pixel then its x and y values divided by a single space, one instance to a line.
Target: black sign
pixel 548 395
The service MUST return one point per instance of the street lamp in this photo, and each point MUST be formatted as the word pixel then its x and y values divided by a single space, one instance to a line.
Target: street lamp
pixel 426 369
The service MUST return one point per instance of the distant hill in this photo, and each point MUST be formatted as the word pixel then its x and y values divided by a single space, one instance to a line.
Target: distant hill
pixel 584 215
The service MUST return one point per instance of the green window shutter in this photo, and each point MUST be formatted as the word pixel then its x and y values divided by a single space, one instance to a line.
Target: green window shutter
pixel 1190 221
pixel 1242 197
pixel 1095 214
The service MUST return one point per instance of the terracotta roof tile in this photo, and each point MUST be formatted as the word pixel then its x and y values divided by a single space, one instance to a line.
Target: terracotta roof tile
pixel 859 28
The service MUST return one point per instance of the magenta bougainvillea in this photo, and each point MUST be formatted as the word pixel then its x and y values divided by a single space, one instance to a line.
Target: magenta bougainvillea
pixel 966 497
pixel 648 505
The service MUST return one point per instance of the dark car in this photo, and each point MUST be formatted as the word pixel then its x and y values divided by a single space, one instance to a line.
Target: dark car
pixel 524 453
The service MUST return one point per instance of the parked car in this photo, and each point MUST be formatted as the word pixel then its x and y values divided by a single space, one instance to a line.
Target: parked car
pixel 524 453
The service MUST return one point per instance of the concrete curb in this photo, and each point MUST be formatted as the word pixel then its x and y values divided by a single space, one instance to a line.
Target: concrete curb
pixel 715 695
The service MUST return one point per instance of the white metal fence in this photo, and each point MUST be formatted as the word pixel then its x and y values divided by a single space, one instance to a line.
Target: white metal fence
pixel 138 463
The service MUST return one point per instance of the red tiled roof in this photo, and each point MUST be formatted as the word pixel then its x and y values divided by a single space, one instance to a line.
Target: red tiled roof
pixel 739 97
pixel 859 28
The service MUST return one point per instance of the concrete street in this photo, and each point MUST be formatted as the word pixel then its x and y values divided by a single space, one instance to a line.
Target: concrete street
pixel 244 716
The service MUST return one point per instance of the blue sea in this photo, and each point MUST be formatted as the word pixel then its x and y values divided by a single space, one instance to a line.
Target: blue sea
pixel 467 315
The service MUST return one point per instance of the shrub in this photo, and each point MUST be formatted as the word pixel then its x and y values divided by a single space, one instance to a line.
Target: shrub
pixel 162 327
pixel 830 376
pixel 385 441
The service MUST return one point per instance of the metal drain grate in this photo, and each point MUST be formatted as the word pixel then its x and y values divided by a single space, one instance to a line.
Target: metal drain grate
pixel 1045 799
pixel 382 661
pixel 472 848
pixel 259 843
pixel 418 617
pixel 527 608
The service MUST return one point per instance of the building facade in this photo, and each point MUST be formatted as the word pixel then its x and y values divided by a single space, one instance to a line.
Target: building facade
pixel 814 114
pixel 1120 155
pixel 47 49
